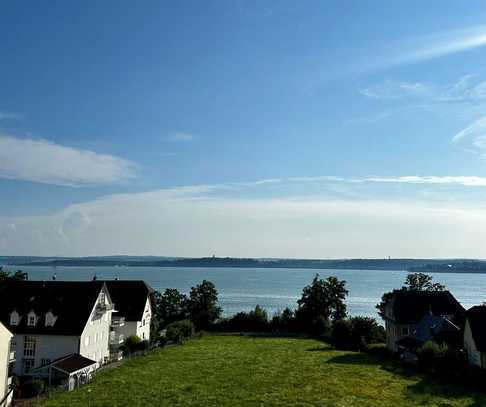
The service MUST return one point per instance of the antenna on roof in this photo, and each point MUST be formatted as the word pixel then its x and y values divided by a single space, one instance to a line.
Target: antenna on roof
pixel 94 277
pixel 54 277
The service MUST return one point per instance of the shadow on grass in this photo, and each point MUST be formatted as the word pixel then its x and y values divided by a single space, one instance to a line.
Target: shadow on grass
pixel 426 386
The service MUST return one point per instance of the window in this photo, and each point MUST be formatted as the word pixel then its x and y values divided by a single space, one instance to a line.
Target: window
pixel 14 318
pixel 50 319
pixel 86 341
pixel 143 335
pixel 95 337
pixel 28 364
pixel 102 297
pixel 29 346
pixel 31 319
pixel 143 322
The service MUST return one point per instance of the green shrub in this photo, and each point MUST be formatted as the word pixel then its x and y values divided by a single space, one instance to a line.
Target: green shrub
pixel 430 355
pixel 321 327
pixel 356 333
pixel 179 331
pixel 132 344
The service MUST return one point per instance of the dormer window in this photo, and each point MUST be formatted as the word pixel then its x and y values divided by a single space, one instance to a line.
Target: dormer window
pixel 50 319
pixel 14 318
pixel 31 319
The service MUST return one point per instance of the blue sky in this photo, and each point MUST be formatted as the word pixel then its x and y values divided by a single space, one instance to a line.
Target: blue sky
pixel 311 129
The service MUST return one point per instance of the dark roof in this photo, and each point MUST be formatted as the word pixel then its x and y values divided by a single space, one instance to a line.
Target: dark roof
pixel 431 327
pixel 477 321
pixel 409 307
pixel 129 297
pixel 73 363
pixel 70 302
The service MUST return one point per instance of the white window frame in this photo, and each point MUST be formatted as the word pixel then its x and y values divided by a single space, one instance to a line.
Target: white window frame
pixel 30 343
pixel 31 319
pixel 14 318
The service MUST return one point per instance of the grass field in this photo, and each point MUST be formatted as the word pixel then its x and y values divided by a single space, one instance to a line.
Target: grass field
pixel 246 371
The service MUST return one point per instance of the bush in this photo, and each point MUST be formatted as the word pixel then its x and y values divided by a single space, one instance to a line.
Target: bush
pixel 253 321
pixel 321 327
pixel 179 331
pixel 341 334
pixel 131 344
pixel 429 355
pixel 356 333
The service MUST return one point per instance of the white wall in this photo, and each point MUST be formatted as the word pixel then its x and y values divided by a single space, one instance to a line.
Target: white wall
pixel 5 337
pixel 473 355
pixel 47 347
pixel 94 342
pixel 138 328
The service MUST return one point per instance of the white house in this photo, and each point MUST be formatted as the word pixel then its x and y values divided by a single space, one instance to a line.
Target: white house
pixel 6 358
pixel 55 319
pixel 133 309
pixel 475 336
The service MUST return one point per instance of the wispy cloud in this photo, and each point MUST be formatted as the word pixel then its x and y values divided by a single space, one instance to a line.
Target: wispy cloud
pixel 473 137
pixel 429 47
pixel 390 89
pixel 46 162
pixel 181 137
pixel 9 116
pixel 471 181
pixel 468 89
pixel 193 221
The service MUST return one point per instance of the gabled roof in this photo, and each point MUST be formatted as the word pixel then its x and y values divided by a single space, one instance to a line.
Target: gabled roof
pixel 410 306
pixel 129 297
pixel 476 316
pixel 71 302
pixel 72 363
pixel 431 327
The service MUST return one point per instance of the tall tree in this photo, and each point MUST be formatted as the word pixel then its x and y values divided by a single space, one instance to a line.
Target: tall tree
pixel 171 306
pixel 422 282
pixel 323 298
pixel 203 304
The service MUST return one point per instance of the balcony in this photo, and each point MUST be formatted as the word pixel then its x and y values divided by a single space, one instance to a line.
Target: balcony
pixel 116 339
pixel 103 307
pixel 117 322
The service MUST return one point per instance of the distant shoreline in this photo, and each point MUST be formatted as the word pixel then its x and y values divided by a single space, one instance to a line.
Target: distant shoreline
pixel 412 265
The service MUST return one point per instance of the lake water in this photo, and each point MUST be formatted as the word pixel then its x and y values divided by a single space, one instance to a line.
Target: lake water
pixel 274 289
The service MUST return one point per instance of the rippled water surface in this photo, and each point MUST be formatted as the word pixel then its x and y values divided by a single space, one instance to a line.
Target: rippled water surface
pixel 274 289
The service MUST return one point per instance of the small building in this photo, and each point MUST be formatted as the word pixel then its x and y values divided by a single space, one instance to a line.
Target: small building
pixel 404 309
pixel 54 319
pixel 133 309
pixel 6 359
pixel 475 336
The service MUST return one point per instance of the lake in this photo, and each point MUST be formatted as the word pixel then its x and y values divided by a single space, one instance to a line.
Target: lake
pixel 274 289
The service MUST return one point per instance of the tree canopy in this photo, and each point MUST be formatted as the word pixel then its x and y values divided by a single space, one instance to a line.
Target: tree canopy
pixel 203 304
pixel 323 298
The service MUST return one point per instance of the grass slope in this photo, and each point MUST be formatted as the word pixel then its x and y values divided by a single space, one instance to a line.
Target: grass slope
pixel 246 371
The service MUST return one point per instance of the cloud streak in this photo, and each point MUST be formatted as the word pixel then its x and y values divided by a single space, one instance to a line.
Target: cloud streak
pixel 45 162
pixel 181 137
pixel 191 221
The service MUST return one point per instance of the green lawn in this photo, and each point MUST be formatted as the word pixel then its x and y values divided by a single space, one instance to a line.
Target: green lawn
pixel 246 371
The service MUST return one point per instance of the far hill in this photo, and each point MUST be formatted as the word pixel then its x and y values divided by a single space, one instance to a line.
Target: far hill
pixel 424 265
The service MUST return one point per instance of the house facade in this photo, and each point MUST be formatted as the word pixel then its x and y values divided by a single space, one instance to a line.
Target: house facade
pixel 475 336
pixel 405 309
pixel 50 320
pixel 133 310
pixel 6 358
